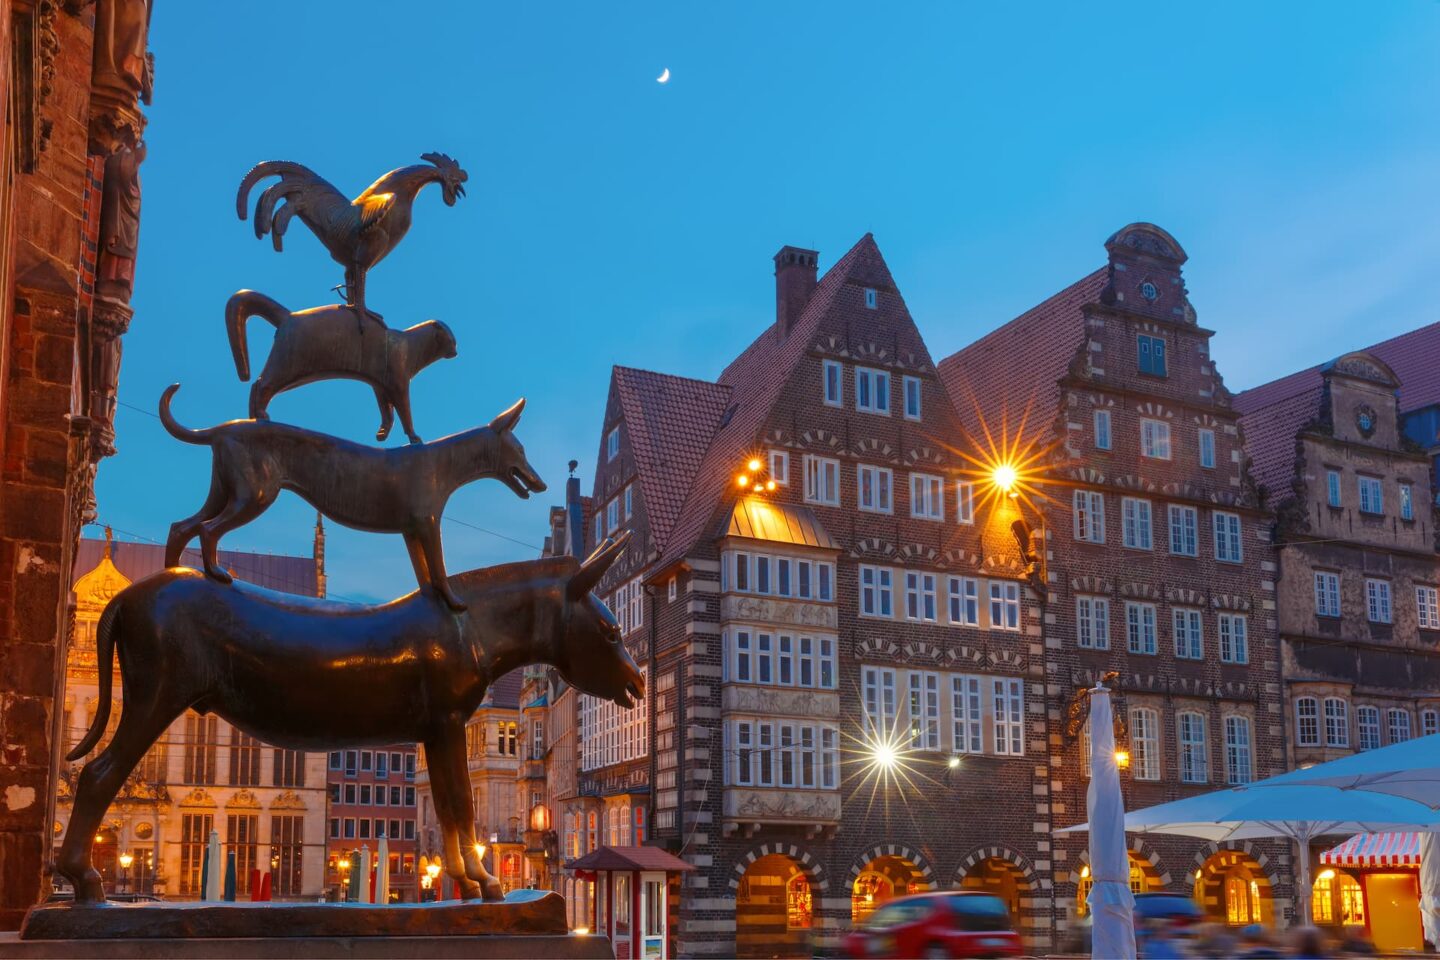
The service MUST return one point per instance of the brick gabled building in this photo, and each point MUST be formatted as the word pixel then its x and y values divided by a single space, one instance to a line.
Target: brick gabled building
pixel 872 602
pixel 1162 568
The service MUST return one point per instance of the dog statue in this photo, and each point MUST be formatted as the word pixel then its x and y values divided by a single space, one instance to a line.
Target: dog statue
pixel 402 490
pixel 326 343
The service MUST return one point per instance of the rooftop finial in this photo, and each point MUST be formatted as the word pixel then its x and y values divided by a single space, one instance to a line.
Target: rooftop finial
pixel 109 537
pixel 573 465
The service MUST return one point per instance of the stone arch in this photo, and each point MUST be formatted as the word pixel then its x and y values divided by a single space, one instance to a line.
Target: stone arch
pixel 878 873
pixel 774 917
pixel 1142 851
pixel 979 854
pixel 1260 860
pixel 808 862
pixel 858 865
pixel 1030 916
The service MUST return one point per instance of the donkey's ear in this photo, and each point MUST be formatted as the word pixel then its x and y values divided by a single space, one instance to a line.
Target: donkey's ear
pixel 595 566
pixel 508 419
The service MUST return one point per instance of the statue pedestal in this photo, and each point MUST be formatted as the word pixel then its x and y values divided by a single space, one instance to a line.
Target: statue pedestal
pixel 528 923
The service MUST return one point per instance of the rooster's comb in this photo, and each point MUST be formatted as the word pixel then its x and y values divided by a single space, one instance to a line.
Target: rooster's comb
pixel 440 160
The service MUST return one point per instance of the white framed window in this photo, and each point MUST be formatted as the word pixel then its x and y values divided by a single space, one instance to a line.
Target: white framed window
pixel 1089 516
pixel 964 502
pixel 1307 722
pixel 1372 497
pixel 1004 605
pixel 780 466
pixel 822 480
pixel 1367 722
pixel 1337 722
pixel 775 754
pixel 1398 723
pixel 629 500
pixel 1194 755
pixel 745 572
pixel 612 444
pixel 1145 744
pixel 1189 640
pixel 1332 487
pixel 1234 631
pixel 911 387
pixel 878 689
pixel 1092 622
pixel 786 660
pixel 1429 722
pixel 612 515
pixel 1239 765
pixel 877 591
pixel 1327 594
pixel 1140 627
pixel 1009 716
pixel 872 298
pixel 833 383
pixel 966 717
pixel 920 600
pixel 1227 537
pixel 1427 607
pixel 1135 523
pixel 872 391
pixel 1407 502
pixel 874 488
pixel 1155 439
pixel 599 527
pixel 672 590
pixel 924 710
pixel 927 497
pixel 1377 600
pixel 964 601
pixel 1184 531
pixel 1102 429
pixel 1207 448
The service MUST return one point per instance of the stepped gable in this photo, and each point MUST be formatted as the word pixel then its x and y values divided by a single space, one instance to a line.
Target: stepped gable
pixel 670 421
pixel 755 379
pixel 1017 367
pixel 1272 413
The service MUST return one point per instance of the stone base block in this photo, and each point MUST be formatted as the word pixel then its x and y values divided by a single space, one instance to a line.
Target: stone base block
pixel 561 947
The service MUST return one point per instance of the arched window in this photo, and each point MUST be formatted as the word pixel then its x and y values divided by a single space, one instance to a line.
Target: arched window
pixel 1307 722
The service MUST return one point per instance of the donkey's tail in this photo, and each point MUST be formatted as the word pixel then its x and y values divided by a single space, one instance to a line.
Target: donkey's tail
pixel 238 309
pixel 174 427
pixel 104 657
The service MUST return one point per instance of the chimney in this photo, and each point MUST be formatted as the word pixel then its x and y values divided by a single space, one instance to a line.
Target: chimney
pixel 795 271
pixel 575 515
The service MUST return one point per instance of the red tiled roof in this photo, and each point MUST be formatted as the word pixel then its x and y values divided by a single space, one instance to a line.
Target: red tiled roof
pixel 1014 370
pixel 505 692
pixel 138 560
pixel 755 379
pixel 1272 413
pixel 670 421
pixel 630 858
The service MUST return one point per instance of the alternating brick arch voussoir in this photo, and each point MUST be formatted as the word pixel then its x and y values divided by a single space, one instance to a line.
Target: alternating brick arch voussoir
pixel 893 850
pixel 995 852
pixel 809 864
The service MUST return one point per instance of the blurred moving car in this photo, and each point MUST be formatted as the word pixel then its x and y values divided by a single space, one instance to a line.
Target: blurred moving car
pixel 951 924
pixel 1178 908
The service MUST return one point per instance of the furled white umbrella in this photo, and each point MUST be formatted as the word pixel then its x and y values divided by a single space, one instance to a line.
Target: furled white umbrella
pixel 1410 770
pixel 1299 813
pixel 382 870
pixel 365 888
pixel 215 876
pixel 1111 903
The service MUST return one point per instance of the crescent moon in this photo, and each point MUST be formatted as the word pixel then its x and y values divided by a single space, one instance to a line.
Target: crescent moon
pixel 664 77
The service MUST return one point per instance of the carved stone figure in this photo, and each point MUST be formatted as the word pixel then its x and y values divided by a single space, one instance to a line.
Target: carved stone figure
pixel 326 343
pixel 309 674
pixel 400 491
pixel 358 233
pixel 122 73
pixel 120 223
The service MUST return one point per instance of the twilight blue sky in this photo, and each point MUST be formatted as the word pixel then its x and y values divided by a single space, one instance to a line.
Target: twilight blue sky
pixel 1292 148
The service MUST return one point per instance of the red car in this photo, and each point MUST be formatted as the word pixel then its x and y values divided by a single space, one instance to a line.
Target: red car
pixel 950 923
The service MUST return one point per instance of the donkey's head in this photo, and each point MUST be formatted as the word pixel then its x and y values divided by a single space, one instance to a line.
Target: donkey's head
pixel 590 653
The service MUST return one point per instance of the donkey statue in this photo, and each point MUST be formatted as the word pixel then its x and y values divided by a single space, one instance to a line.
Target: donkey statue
pixel 311 674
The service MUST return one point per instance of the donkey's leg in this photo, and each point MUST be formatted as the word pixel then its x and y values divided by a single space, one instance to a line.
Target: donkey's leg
pixel 429 538
pixel 183 531
pixel 142 721
pixel 450 744
pixel 443 791
pixel 243 508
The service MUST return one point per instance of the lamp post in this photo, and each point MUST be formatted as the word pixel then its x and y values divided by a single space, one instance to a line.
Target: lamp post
pixel 126 859
pixel 344 865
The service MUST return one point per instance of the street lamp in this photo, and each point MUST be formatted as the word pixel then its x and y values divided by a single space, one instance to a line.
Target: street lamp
pixel 432 874
pixel 344 866
pixel 126 859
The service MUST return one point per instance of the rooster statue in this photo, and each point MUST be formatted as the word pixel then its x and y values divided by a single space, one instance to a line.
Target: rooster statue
pixel 358 233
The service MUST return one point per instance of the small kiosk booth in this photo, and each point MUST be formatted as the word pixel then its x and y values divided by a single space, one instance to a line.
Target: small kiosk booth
pixel 632 897
pixel 1373 880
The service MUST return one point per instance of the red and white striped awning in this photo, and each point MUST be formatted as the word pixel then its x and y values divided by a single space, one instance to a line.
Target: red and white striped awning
pixel 1397 849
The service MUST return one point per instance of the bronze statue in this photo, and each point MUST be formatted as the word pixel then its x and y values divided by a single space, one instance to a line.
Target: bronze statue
pixel 313 674
pixel 327 342
pixel 358 233
pixel 403 490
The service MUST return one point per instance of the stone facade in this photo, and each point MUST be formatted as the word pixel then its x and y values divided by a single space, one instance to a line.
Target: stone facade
pixel 75 75
pixel 371 793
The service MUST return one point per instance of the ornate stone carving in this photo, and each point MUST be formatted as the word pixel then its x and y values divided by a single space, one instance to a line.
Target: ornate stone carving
pixel 779 701
pixel 122 74
pixel 805 806
pixel 767 610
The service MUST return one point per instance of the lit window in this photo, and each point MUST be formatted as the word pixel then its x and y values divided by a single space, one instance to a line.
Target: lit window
pixel 1377 600
pixel 874 493
pixel 1227 537
pixel 1189 641
pixel 964 502
pixel 872 391
pixel 612 444
pixel 1427 603
pixel 927 499
pixel 1135 517
pixel 822 480
pixel 1102 429
pixel 1140 627
pixel 1183 531
pixel 1155 439
pixel 1327 594
pixel 780 467
pixel 1089 516
pixel 1234 638
pixel 1207 448
pixel 912 398
pixel 1194 759
pixel 1332 487
pixel 1151 355
pixel 1372 498
pixel 1092 622
pixel 834 386
pixel 924 710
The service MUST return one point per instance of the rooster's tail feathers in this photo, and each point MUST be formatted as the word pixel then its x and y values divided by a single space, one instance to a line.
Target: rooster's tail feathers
pixel 270 168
